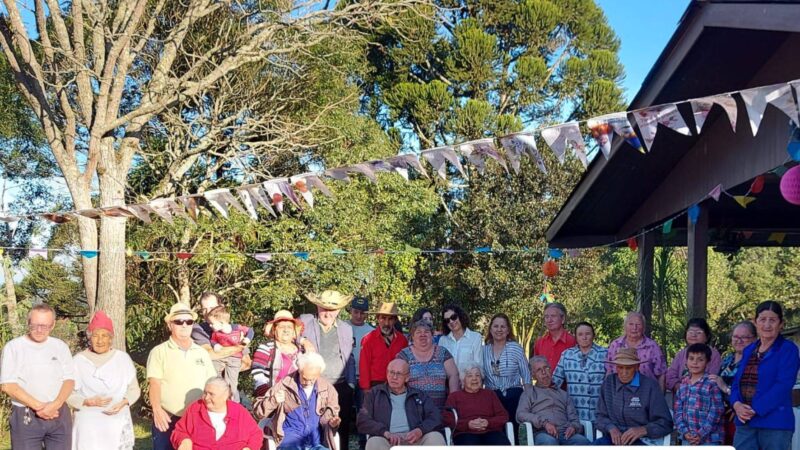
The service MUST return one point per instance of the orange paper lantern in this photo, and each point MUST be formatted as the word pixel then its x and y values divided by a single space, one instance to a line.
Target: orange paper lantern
pixel 550 268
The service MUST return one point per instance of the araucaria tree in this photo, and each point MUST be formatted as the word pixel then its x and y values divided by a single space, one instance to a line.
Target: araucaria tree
pixel 101 75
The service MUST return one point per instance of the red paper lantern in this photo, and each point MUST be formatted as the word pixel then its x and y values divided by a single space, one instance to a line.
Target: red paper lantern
pixel 790 185
pixel 550 268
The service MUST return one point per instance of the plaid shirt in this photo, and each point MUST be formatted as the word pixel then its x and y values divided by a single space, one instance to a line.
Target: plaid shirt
pixel 698 409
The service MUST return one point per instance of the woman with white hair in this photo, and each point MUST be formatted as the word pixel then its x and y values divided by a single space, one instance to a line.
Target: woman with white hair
pixel 481 416
pixel 215 422
pixel 653 364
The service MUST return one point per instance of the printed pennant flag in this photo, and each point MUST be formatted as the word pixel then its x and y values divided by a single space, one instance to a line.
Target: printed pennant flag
pixel 476 153
pixel 288 192
pixel 757 186
pixel 756 100
pixel 222 200
pixel 302 187
pixel 37 253
pixel 167 208
pixel 402 163
pixel 793 147
pixel 520 144
pixel 364 169
pixel 574 252
pixel 437 158
pixel 89 254
pixel 667 115
pixel 694 213
pixel 777 237
pixel 483 250
pixel 316 182
pixel 141 211
pixel 560 137
pixel 252 197
pixel 715 193
pixel 190 202
pixel 338 173
pixel 275 194
pixel 601 133
pixel 702 106
pixel 622 127
pixel 263 257
pixel 744 200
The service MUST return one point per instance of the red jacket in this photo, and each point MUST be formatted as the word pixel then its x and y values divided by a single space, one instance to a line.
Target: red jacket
pixel 241 429
pixel 375 357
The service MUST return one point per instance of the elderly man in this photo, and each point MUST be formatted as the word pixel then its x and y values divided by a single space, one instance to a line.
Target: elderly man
pixel 380 346
pixel 300 406
pixel 549 409
pixel 201 335
pixel 395 414
pixel 333 338
pixel 632 409
pixel 215 422
pixel 556 339
pixel 37 373
pixel 177 371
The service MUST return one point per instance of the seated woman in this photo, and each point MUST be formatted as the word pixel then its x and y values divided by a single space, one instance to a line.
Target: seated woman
pixel 632 409
pixel 276 358
pixel 216 423
pixel 697 332
pixel 481 416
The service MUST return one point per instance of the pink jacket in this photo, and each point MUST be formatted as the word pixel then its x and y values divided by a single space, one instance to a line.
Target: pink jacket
pixel 241 430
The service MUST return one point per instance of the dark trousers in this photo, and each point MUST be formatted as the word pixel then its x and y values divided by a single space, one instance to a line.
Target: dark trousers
pixel 359 400
pixel 161 438
pixel 345 412
pixel 510 401
pixel 29 431
pixel 490 438
pixel 606 440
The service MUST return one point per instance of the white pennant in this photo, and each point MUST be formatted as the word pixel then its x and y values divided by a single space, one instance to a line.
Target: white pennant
pixel 622 127
pixel 560 137
pixel 315 181
pixel 667 115
pixel 303 188
pixel 249 203
pixel 601 133
pixel 437 158
pixel 275 194
pixel 141 211
pixel 365 170
pixel 519 144
pixel 221 199
pixel 167 208
pixel 702 106
pixel 256 195
pixel 477 151
pixel 779 95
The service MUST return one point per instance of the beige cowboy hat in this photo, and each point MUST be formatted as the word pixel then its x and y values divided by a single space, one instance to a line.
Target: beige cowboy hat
pixel 388 309
pixel 332 300
pixel 177 309
pixel 626 357
pixel 284 316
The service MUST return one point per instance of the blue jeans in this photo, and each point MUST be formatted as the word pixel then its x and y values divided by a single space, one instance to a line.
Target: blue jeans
pixel 161 438
pixel 747 438
pixel 313 447
pixel 542 438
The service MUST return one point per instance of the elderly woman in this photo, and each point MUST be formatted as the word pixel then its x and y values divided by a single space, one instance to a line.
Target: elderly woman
pixel 105 387
pixel 216 423
pixel 505 365
pixel 697 332
pixel 652 361
pixel 277 356
pixel 481 416
pixel 742 335
pixel 431 367
pixel 464 344
pixel 583 368
pixel 632 409
pixel 761 394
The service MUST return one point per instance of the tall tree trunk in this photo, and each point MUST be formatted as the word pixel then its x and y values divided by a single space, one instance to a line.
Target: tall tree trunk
pixel 11 297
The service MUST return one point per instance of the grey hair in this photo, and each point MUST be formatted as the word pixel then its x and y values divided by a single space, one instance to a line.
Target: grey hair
pixel 538 358
pixel 42 307
pixel 218 381
pixel 747 324
pixel 310 359
pixel 635 313
pixel 467 367
pixel 420 324
pixel 559 307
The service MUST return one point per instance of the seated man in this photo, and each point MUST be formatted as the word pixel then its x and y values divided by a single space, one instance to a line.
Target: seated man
pixel 309 404
pixel 549 409
pixel 230 426
pixel 632 409
pixel 395 414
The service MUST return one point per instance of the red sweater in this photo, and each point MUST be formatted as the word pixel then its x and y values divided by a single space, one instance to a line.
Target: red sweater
pixel 483 404
pixel 375 357
pixel 241 430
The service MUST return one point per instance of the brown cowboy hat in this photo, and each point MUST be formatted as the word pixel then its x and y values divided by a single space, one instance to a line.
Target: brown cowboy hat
pixel 626 357
pixel 333 300
pixel 283 316
pixel 388 309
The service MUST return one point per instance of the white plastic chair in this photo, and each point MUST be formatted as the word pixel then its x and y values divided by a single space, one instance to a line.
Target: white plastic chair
pixel 666 442
pixel 271 445
pixel 588 431
pixel 448 433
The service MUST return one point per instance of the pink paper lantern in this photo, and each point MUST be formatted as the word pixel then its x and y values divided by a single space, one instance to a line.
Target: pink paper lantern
pixel 790 185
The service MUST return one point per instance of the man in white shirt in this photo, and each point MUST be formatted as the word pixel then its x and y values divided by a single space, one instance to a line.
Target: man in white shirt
pixel 37 373
pixel 464 344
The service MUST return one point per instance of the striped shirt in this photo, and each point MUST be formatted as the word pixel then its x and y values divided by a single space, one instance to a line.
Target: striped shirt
pixel 584 375
pixel 509 370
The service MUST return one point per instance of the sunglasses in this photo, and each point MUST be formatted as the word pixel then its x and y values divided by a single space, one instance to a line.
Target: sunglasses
pixel 183 321
pixel 452 318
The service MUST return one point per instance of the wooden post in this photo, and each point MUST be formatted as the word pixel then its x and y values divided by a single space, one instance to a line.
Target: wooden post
pixel 644 285
pixel 697 241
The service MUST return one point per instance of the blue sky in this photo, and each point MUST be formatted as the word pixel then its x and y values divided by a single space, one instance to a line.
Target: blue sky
pixel 644 28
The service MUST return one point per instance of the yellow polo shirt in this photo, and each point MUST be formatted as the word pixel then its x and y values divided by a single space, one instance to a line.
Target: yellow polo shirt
pixel 183 374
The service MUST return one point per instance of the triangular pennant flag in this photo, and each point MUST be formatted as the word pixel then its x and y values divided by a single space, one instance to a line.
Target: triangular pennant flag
pixel 574 252
pixel 143 254
pixel 622 127
pixel 446 251
pixel 275 194
pixel 757 185
pixel 338 173
pixel 477 151
pixel 715 193
pixel 667 227
pixel 601 133
pixel 249 203
pixel 89 254
pixel 483 250
pixel 694 213
pixel 141 211
pixel 183 255
pixel 302 187
pixel 747 234
pixel 116 211
pixel 301 255
pixel 667 115
pixel 632 244
pixel 401 163
pixel 793 147
pixel 777 237
pixel 779 171
pixel 316 182
pixel 257 197
pixel 437 158
pixel 128 252
pixel 560 137
pixel 221 200
pixel 55 217
pixel 262 257
pixel 744 200
pixel 37 253
pixel 92 213
pixel 190 203
pixel 288 192
pixel 365 170
pixel 555 253
pixel 756 100
pixel 167 207
pixel 520 144
pixel 702 106
pixel 338 252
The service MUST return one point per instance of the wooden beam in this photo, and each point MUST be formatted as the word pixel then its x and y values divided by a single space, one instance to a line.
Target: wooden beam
pixel 644 285
pixel 698 265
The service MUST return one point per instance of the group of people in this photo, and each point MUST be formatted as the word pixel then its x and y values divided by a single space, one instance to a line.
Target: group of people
pixel 312 373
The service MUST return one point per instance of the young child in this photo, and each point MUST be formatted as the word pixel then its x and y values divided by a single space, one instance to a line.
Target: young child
pixel 698 402
pixel 228 335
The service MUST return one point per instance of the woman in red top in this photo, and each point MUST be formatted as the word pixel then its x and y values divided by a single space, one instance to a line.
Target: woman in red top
pixel 481 416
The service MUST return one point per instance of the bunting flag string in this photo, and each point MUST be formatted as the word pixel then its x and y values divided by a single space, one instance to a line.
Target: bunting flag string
pixel 297 190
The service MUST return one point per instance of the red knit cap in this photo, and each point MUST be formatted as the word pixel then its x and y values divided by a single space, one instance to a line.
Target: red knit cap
pixel 101 321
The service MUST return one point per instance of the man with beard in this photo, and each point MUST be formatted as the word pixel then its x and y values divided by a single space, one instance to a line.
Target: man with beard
pixel 379 347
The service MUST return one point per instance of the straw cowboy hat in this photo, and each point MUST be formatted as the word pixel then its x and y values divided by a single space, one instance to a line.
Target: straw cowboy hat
pixel 177 309
pixel 388 309
pixel 332 300
pixel 284 316
pixel 626 357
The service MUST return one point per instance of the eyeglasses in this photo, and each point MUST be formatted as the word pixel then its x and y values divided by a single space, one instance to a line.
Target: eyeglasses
pixel 36 326
pixel 392 373
pixel 452 318
pixel 183 321
pixel 741 338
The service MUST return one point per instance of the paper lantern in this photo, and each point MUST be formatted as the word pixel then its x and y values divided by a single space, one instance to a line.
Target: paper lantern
pixel 790 185
pixel 550 268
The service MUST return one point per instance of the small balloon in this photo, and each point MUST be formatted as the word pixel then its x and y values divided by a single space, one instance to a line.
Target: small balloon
pixel 790 185
pixel 550 268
